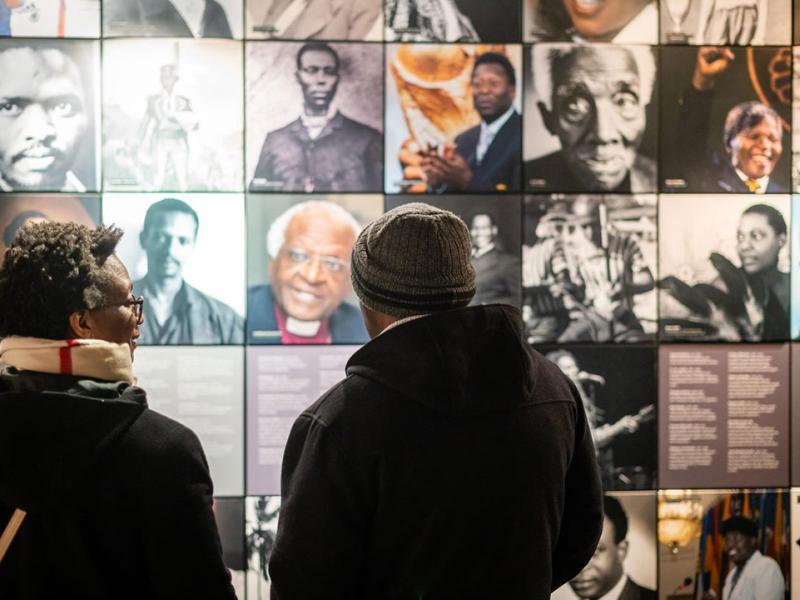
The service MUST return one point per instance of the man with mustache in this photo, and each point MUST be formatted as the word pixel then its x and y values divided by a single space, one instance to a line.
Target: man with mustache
pixel 309 248
pixel 594 100
pixel 322 150
pixel 605 577
pixel 752 137
pixel 43 119
pixel 179 313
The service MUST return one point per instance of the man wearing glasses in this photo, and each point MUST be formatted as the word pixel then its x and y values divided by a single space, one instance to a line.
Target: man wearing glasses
pixel 177 312
pixel 309 247
pixel 322 150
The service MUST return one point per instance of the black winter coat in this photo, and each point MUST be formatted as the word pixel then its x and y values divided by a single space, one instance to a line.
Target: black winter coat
pixel 118 496
pixel 453 461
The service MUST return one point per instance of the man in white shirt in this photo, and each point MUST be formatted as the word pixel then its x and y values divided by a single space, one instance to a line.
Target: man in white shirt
pixel 754 576
pixel 485 157
pixel 604 578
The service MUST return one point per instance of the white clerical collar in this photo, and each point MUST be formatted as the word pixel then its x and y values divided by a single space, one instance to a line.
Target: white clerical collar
pixel 615 592
pixel 762 182
pixel 302 328
pixel 498 123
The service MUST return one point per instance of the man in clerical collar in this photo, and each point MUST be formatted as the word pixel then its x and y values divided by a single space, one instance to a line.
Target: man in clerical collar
pixel 322 150
pixel 309 248
pixel 605 577
pixel 177 312
pixel 485 157
pixel 43 119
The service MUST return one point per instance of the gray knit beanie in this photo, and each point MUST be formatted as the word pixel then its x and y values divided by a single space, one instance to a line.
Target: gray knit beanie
pixel 412 260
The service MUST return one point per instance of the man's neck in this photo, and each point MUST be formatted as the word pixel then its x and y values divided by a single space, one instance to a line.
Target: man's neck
pixel 313 111
pixel 492 118
pixel 164 289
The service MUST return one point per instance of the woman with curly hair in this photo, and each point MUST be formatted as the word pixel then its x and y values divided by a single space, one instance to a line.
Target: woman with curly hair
pixel 104 497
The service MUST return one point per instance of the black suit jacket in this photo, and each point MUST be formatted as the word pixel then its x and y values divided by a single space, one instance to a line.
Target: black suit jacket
pixel 634 591
pixel 500 168
pixel 160 18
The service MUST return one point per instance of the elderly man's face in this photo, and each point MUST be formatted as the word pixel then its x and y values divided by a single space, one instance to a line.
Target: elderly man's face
pixel 756 151
pixel 598 114
pixel 318 77
pixel 311 275
pixel 42 117
pixel 600 20
pixel 604 569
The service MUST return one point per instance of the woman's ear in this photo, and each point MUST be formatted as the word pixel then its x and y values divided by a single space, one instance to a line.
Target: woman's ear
pixel 80 325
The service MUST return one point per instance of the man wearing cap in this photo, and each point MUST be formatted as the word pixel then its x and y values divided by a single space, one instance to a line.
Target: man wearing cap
pixel 754 576
pixel 453 460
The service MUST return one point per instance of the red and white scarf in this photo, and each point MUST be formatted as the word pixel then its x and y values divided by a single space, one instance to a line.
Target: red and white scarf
pixel 97 359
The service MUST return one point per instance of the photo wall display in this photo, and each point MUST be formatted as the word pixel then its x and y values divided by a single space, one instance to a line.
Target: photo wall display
pixel 625 171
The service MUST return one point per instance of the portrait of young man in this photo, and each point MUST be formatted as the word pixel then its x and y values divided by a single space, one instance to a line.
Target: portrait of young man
pixel 306 289
pixel 172 18
pixel 188 294
pixel 593 101
pixel 48 119
pixel 354 20
pixel 323 149
pixel 728 137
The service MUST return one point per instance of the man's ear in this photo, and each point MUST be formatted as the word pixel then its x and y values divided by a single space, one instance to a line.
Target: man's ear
pixel 622 550
pixel 547 117
pixel 80 324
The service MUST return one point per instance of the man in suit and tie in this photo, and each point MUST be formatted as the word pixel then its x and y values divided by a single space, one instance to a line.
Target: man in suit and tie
pixel 752 137
pixel 605 576
pixel 485 157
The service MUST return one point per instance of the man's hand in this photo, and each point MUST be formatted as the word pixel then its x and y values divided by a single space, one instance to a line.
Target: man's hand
pixel 411 160
pixel 449 169
pixel 711 61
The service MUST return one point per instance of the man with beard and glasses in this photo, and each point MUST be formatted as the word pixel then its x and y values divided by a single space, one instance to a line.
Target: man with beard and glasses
pixel 605 577
pixel 594 100
pixel 752 137
pixel 484 157
pixel 322 150
pixel 43 119
pixel 179 313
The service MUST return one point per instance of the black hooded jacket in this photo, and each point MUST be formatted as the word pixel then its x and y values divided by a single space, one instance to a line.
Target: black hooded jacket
pixel 453 461
pixel 118 496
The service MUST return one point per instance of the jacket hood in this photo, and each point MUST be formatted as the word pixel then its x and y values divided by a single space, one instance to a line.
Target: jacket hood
pixel 54 429
pixel 466 361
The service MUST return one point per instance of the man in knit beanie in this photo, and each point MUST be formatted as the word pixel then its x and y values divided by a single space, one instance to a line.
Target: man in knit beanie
pixel 453 461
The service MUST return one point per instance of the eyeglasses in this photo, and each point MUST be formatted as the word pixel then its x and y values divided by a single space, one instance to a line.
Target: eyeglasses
pixel 329 264
pixel 135 303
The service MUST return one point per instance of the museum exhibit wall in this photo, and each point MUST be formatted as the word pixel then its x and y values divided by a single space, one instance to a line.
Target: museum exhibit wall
pixel 634 198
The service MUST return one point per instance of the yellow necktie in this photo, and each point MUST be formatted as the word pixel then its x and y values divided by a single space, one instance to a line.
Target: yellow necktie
pixel 751 184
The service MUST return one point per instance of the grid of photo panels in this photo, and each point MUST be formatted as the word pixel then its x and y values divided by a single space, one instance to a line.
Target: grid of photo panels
pixel 626 169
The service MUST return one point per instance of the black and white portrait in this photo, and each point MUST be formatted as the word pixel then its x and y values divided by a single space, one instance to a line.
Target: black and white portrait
pixel 724 272
pixel 726 22
pixel 229 515
pixel 615 21
pixel 50 18
pixel 796 120
pixel 453 118
pixel 299 289
pixel 354 20
pixel 173 115
pixel 617 385
pixel 589 268
pixel 494 227
pixel 17 210
pixel 315 117
pixel 451 21
pixel 262 514
pixel 185 254
pixel 592 120
pixel 49 122
pixel 625 563
pixel 172 18
pixel 725 116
